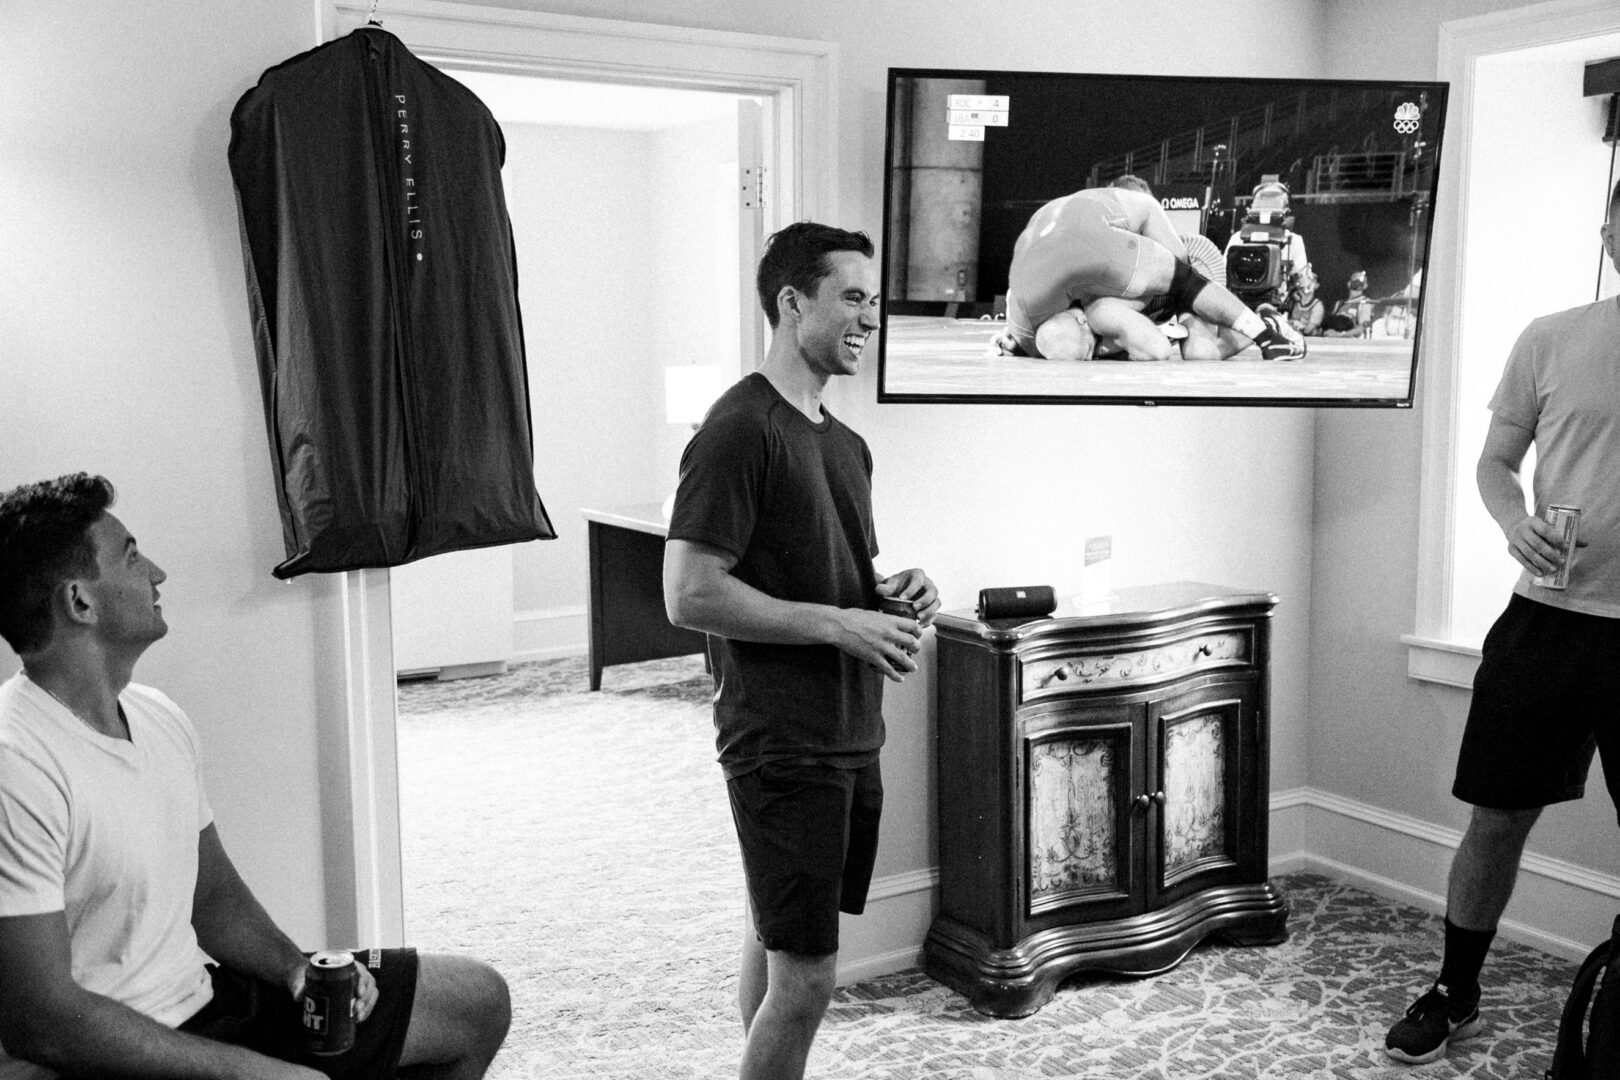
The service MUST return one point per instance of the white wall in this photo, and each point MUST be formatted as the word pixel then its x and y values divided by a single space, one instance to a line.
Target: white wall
pixel 694 303
pixel 124 349
pixel 1385 744
pixel 582 207
pixel 626 250
pixel 127 351
pixel 999 495
pixel 987 495
pixel 1529 111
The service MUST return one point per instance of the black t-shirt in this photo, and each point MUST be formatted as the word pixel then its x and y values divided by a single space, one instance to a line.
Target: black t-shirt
pixel 792 499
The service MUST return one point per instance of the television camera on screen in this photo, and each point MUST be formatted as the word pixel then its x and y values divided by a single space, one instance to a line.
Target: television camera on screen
pixel 1265 254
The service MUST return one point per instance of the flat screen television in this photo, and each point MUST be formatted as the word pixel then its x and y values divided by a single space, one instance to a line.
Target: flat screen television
pixel 1272 185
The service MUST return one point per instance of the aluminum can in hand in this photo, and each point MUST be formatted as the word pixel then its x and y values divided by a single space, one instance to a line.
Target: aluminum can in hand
pixel 329 990
pixel 1566 519
pixel 893 605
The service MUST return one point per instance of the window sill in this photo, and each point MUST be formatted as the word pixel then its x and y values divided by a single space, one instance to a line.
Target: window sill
pixel 1451 663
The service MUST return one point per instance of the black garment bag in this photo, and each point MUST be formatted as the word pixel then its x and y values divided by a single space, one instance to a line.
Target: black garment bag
pixel 382 285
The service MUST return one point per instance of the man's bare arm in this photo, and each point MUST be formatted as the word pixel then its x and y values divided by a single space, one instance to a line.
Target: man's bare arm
pixel 233 928
pixel 1531 541
pixel 1122 324
pixel 48 1019
pixel 700 593
pixel 1149 219
pixel 231 925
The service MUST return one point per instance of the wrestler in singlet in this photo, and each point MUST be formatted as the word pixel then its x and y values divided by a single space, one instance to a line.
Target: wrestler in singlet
pixel 1073 250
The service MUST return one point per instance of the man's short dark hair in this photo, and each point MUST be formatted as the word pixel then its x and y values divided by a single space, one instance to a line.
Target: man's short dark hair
pixel 1614 205
pixel 797 256
pixel 44 540
pixel 1132 182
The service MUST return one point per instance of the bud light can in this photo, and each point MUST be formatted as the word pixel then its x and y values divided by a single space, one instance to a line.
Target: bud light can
pixel 329 989
pixel 1566 519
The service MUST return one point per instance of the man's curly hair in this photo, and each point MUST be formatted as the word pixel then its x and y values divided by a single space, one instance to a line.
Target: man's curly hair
pixel 44 540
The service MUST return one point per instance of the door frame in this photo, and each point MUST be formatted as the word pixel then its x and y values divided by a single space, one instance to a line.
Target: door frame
pixel 797 83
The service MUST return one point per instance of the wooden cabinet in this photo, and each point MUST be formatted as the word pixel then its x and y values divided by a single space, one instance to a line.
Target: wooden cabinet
pixel 627 620
pixel 1102 791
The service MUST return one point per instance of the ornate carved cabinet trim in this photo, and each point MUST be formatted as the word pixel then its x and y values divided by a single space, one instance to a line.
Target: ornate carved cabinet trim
pixel 1092 670
pixel 1103 784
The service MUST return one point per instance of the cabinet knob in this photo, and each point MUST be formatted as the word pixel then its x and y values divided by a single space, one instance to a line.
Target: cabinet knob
pixel 1142 802
pixel 1158 798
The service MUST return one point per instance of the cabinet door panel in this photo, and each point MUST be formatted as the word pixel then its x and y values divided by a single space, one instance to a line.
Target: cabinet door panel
pixel 1082 849
pixel 1195 804
pixel 1203 781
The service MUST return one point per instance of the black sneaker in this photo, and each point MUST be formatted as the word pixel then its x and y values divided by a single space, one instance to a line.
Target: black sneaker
pixel 1285 343
pixel 1434 1021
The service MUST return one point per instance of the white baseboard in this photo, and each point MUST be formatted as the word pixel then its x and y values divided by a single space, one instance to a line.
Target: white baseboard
pixel 889 936
pixel 860 969
pixel 1558 907
pixel 449 672
pixel 550 633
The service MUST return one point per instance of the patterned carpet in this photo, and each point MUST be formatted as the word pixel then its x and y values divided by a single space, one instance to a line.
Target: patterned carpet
pixel 582 843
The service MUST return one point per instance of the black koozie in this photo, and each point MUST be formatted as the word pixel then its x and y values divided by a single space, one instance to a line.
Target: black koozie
pixel 1017 602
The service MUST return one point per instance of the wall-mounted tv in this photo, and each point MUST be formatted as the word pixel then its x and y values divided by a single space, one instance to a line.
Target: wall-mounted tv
pixel 1310 201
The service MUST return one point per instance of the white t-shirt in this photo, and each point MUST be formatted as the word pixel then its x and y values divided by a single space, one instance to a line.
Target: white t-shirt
pixel 1562 382
pixel 105 830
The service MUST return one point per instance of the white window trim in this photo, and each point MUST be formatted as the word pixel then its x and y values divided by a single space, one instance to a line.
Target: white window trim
pixel 1450 663
pixel 1434 652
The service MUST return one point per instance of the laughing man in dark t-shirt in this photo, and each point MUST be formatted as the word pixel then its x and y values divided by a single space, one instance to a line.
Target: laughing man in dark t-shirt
pixel 770 552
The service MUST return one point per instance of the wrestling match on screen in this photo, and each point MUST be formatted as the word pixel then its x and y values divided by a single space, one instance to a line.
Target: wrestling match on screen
pixel 1112 239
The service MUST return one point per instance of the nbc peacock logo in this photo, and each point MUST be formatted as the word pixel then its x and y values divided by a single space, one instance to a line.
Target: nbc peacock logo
pixel 1407 118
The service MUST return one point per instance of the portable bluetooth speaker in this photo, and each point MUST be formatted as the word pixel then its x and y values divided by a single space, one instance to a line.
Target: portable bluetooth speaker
pixel 1018 602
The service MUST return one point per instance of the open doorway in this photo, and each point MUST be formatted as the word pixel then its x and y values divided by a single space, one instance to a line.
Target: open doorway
pixel 624 203
pixel 794 79
pixel 581 839
pixel 624 209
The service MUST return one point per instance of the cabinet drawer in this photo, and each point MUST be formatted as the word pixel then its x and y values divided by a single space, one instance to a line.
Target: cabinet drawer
pixel 1084 672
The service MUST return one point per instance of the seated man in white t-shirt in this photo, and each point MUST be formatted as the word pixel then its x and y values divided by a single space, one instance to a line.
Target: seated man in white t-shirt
pixel 129 946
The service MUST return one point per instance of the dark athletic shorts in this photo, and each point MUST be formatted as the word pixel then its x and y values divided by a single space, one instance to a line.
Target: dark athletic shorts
pixel 262 1016
pixel 808 835
pixel 1545 696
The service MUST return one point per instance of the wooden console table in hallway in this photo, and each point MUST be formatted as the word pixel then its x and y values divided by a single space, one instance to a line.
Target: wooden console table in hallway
pixel 627 620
